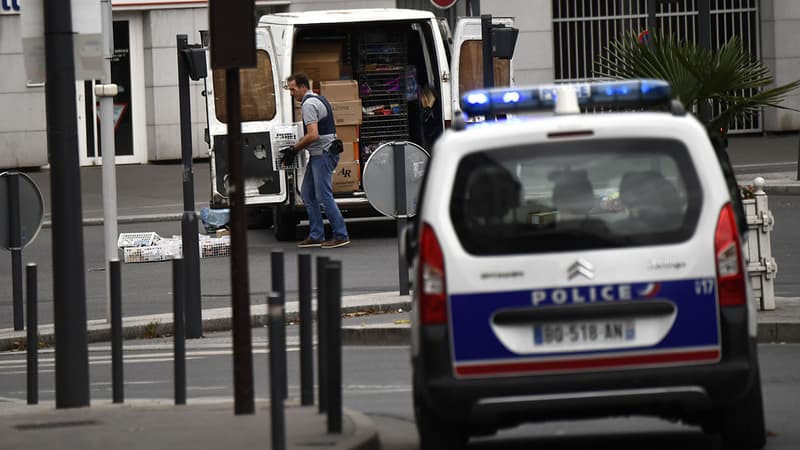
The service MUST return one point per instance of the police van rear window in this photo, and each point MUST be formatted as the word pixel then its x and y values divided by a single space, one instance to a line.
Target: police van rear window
pixel 575 195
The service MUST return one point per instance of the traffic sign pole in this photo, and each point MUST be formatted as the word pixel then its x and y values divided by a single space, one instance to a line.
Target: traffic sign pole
pixel 14 243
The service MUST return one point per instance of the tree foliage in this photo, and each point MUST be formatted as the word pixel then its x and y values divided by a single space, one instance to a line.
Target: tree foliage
pixel 697 74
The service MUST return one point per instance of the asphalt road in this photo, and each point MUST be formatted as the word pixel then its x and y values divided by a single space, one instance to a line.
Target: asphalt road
pixel 376 381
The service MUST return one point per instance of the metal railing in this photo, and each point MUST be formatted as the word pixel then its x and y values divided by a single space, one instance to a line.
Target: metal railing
pixel 582 29
pixel 761 266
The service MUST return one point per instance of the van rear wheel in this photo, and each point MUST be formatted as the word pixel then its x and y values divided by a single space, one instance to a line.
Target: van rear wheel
pixel 285 224
pixel 742 423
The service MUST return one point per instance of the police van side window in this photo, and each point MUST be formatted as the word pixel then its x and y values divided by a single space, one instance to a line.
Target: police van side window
pixel 257 91
pixel 575 195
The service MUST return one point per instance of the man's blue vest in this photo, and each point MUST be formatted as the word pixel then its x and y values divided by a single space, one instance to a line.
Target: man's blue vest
pixel 326 125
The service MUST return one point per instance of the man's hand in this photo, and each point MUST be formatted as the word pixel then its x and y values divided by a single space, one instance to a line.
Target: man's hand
pixel 288 155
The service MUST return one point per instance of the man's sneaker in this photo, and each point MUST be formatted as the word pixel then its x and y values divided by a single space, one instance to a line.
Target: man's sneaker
pixel 308 242
pixel 333 243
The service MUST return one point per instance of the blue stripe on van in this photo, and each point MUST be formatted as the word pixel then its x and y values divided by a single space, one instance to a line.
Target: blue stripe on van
pixel 696 323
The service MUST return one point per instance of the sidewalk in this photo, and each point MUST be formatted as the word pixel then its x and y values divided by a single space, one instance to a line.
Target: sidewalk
pixel 163 425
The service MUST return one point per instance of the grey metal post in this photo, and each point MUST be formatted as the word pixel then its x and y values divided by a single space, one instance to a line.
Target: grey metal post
pixel 306 330
pixel 179 331
pixel 333 280
pixel 322 320
pixel 32 334
pixel 277 368
pixel 15 244
pixel 117 380
pixel 244 395
pixel 488 54
pixel 279 288
pixel 401 211
pixel 107 144
pixel 69 279
pixel 651 14
pixel 191 246
pixel 704 41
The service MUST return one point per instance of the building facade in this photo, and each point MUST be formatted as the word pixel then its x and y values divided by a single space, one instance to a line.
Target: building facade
pixel 558 40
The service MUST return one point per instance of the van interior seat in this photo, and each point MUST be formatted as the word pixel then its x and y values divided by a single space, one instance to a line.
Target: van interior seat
pixel 573 192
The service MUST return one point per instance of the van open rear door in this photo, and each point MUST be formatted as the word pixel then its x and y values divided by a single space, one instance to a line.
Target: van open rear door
pixel 466 63
pixel 260 117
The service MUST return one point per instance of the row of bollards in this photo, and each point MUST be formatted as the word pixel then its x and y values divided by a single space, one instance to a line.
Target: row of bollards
pixel 329 353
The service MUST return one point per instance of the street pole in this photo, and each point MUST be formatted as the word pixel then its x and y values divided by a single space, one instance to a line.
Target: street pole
pixel 704 41
pixel 191 246
pixel 107 146
pixel 69 282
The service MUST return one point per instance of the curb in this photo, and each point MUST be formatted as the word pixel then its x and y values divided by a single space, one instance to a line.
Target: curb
pixel 95 221
pixel 365 432
pixel 99 331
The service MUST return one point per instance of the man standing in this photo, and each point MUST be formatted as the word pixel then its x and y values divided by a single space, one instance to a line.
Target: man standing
pixel 317 188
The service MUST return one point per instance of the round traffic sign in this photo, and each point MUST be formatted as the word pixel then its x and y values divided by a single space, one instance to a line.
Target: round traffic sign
pixel 443 4
pixel 31 211
pixel 379 177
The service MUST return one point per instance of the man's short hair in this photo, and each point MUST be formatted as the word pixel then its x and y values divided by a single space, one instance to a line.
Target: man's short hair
pixel 300 79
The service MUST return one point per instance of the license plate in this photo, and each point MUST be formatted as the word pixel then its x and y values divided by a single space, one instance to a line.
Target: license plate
pixel 577 333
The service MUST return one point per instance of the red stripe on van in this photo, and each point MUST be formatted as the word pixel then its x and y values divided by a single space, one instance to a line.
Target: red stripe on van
pixel 593 363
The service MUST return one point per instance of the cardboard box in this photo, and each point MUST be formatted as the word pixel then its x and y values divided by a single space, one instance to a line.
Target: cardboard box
pixel 319 60
pixel 339 91
pixel 347 112
pixel 347 176
pixel 350 152
pixel 347 133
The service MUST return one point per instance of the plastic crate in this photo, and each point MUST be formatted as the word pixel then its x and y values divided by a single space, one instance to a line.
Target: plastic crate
pixel 137 239
pixel 166 249
pixel 284 135
pixel 212 246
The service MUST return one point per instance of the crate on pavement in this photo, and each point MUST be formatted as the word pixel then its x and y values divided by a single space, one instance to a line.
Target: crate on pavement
pixel 165 249
pixel 137 239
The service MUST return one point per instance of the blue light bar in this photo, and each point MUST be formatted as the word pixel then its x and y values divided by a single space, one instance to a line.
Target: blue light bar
pixel 627 93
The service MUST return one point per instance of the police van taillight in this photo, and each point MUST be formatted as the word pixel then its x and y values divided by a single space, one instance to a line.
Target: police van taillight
pixel 432 285
pixel 731 285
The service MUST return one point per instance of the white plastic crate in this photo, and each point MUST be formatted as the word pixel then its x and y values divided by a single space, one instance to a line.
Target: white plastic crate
pixel 137 239
pixel 166 249
pixel 284 135
pixel 213 246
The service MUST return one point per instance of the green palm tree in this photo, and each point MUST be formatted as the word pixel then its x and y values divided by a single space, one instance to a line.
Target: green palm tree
pixel 697 75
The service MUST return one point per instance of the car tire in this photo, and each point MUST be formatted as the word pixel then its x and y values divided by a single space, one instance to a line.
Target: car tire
pixel 285 224
pixel 742 423
pixel 436 433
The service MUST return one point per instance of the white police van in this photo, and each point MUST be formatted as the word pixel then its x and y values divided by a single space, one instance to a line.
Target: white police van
pixel 581 265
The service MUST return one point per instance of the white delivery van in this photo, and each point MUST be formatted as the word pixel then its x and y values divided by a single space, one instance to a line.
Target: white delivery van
pixel 390 75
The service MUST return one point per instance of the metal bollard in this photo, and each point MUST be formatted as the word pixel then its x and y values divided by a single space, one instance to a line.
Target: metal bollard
pixel 306 330
pixel 333 295
pixel 32 334
pixel 279 288
pixel 322 319
pixel 277 368
pixel 117 384
pixel 178 294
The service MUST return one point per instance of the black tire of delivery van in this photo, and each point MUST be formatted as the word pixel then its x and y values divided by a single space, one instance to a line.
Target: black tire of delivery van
pixel 285 221
pixel 434 432
pixel 259 217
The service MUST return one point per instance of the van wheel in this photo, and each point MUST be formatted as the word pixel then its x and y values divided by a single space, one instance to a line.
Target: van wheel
pixel 259 218
pixel 285 224
pixel 742 424
pixel 435 433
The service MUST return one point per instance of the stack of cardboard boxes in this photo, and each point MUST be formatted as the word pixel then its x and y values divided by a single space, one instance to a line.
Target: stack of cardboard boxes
pixel 346 105
pixel 322 62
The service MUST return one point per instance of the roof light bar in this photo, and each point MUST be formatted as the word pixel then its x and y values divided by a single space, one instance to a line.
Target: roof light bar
pixel 628 93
